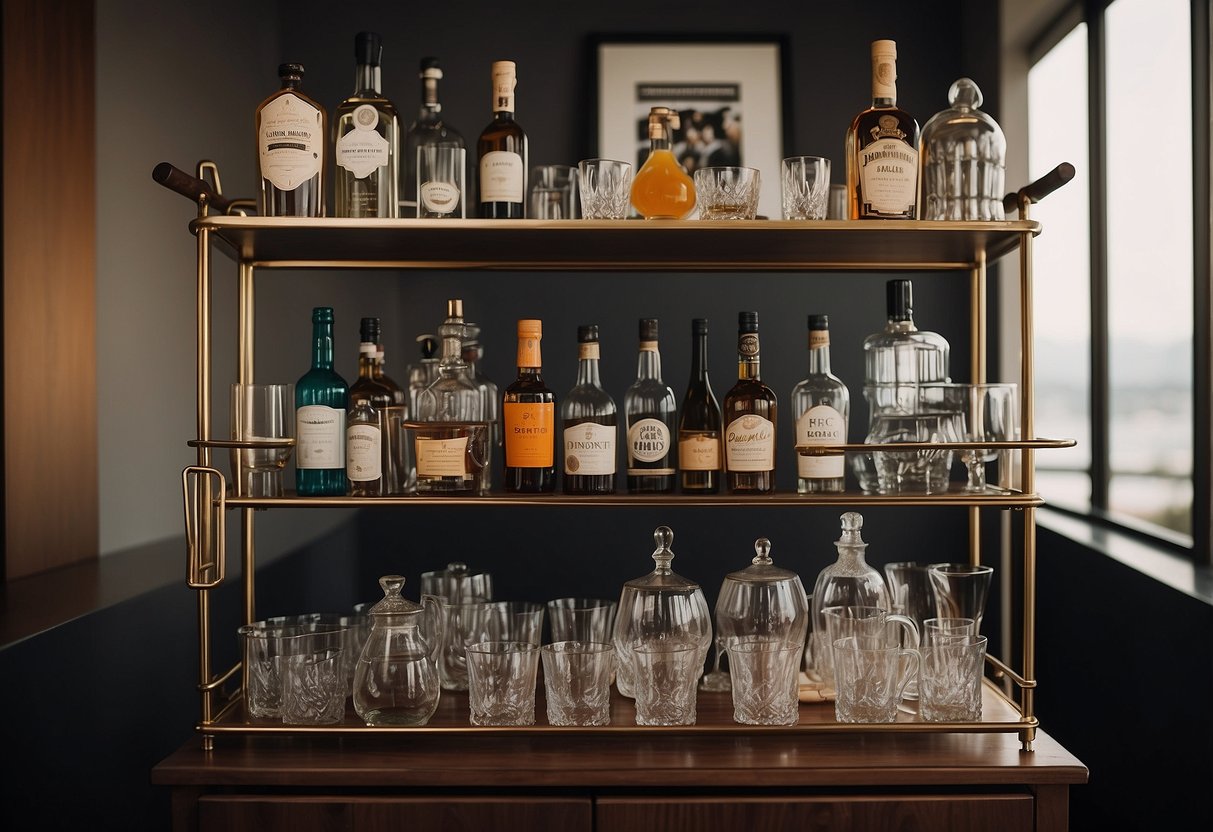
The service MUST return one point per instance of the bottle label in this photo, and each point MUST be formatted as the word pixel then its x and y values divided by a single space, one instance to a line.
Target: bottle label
pixel 821 425
pixel 587 351
pixel 439 197
pixel 699 452
pixel 749 444
pixel 589 449
pixel 319 437
pixel 291 144
pixel 528 351
pixel 529 434
pixel 747 345
pixel 501 176
pixel 819 338
pixel 504 81
pixel 649 441
pixel 888 172
pixel 363 452
pixel 362 150
pixel 442 457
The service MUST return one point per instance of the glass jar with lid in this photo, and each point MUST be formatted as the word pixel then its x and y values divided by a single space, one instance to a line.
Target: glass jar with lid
pixel 963 156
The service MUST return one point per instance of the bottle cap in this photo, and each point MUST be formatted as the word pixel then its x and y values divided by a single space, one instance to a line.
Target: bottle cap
pixel 587 333
pixel 429 68
pixel 530 327
pixel 368 330
pixel 747 321
pixel 290 71
pixel 699 326
pixel 900 298
pixel 454 308
pixel 429 345
pixel 885 48
pixel 819 322
pixel 648 329
pixel 368 48
pixel 322 315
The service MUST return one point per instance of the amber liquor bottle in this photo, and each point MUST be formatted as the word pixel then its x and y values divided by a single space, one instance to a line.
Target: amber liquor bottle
pixel 749 417
pixel 528 409
pixel 501 153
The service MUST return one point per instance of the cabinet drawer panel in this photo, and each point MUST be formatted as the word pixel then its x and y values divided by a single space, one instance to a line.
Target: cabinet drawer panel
pixel 850 813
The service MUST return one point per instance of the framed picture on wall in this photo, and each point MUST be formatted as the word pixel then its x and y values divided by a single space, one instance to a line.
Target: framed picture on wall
pixel 731 93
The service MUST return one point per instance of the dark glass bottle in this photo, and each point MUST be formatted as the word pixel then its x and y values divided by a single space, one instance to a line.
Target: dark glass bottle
pixel 528 410
pixel 321 397
pixel 291 130
pixel 749 416
pixel 588 422
pixel 366 146
pixel 699 462
pixel 368 385
pixel 651 411
pixel 501 153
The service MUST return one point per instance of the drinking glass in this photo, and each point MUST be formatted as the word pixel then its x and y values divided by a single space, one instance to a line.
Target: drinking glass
pixel 860 620
pixel 463 623
pixel 261 413
pixel 944 629
pixel 961 590
pixel 581 619
pixel 950 681
pixel 916 471
pixel 805 187
pixel 501 682
pixel 765 681
pixel 991 413
pixel 514 621
pixel 577 680
pixel 313 687
pixel 457 582
pixel 910 590
pixel 441 191
pixel 553 192
pixel 663 681
pixel 727 193
pixel 871 674
pixel 605 186
pixel 264 647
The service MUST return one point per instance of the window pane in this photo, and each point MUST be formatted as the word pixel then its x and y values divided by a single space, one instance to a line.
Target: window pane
pixel 1057 132
pixel 1149 209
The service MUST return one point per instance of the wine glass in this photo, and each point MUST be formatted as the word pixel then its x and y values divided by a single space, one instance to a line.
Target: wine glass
pixel 717 679
pixel 991 414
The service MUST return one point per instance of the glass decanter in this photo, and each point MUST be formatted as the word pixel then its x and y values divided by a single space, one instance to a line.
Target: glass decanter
pixel 662 189
pixel 963 160
pixel 661 606
pixel 762 601
pixel 849 581
pixel 396 681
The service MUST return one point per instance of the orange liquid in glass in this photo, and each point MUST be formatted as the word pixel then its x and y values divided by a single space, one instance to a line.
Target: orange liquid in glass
pixel 662 189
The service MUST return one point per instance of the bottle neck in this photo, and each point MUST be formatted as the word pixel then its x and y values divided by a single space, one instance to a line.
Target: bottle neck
pixel 452 344
pixel 367 78
pixel 699 357
pixel 747 356
pixel 819 360
pixel 648 362
pixel 900 325
pixel 587 366
pixel 659 143
pixel 429 97
pixel 322 346
pixel 884 102
pixel 366 360
pixel 530 360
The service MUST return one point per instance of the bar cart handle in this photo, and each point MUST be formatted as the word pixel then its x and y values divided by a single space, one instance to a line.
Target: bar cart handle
pixel 1042 187
pixel 204 491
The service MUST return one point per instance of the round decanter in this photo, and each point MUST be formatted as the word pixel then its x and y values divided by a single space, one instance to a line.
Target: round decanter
pixel 963 157
pixel 661 606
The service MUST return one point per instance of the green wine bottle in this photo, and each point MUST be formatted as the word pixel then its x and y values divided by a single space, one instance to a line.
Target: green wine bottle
pixel 320 403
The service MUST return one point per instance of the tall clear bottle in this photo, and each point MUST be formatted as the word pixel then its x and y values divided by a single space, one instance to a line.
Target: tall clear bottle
pixel 291 130
pixel 367 140
pixel 321 397
pixel 423 371
pixel 452 436
pixel 750 417
pixel 651 413
pixel 821 405
pixel 430 128
pixel 588 424
pixel 528 413
pixel 699 457
pixel 473 355
pixel 502 153
pixel 882 148
pixel 662 189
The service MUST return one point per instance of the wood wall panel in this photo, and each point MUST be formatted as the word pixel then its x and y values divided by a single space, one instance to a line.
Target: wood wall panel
pixel 50 420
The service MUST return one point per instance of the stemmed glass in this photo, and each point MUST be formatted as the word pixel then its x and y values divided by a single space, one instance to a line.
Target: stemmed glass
pixel 991 414
pixel 717 679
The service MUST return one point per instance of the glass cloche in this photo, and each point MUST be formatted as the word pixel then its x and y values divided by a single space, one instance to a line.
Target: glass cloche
pixel 963 155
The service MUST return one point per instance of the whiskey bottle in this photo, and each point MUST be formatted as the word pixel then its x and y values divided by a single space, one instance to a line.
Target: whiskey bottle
pixel 699 463
pixel 501 153
pixel 821 405
pixel 452 436
pixel 651 413
pixel 588 422
pixel 882 148
pixel 369 384
pixel 661 188
pixel 320 402
pixel 749 416
pixel 430 128
pixel 291 130
pixel 366 145
pixel 363 449
pixel 528 410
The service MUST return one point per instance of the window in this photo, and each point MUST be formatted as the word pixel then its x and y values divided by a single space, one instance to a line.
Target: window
pixel 1115 333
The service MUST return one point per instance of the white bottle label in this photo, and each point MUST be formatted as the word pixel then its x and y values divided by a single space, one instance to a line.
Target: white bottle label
pixel 648 441
pixel 363 452
pixel 589 449
pixel 821 425
pixel 442 458
pixel 362 150
pixel 700 452
pixel 291 144
pixel 439 197
pixel 319 437
pixel 501 177
pixel 888 173
pixel 749 444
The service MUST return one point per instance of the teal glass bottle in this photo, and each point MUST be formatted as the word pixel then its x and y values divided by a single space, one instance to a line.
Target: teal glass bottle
pixel 320 402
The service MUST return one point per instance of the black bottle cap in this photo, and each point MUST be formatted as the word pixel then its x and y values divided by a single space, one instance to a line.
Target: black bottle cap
pixel 747 321
pixel 900 296
pixel 648 329
pixel 368 330
pixel 429 345
pixel 699 326
pixel 819 323
pixel 429 63
pixel 290 71
pixel 587 333
pixel 368 48
pixel 322 314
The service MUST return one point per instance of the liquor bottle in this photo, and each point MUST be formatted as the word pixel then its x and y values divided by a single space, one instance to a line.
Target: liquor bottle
pixel 452 437
pixel 882 148
pixel 821 405
pixel 699 461
pixel 661 189
pixel 424 371
pixel 367 140
pixel 528 410
pixel 750 410
pixel 473 356
pixel 320 402
pixel 390 402
pixel 291 130
pixel 588 423
pixel 429 129
pixel 501 153
pixel 367 385
pixel 650 410
pixel 363 449
pixel 399 395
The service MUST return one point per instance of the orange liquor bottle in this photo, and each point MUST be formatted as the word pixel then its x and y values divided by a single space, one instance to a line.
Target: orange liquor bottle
pixel 662 190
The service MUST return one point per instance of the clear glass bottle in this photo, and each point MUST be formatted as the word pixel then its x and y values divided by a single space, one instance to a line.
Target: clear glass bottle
pixel 882 148
pixel 699 457
pixel 396 680
pixel 662 189
pixel 321 397
pixel 452 437
pixel 750 417
pixel 964 160
pixel 528 415
pixel 588 424
pixel 423 372
pixel 291 131
pixel 821 405
pixel 430 128
pixel 363 449
pixel 501 153
pixel 650 410
pixel 366 143
pixel 473 356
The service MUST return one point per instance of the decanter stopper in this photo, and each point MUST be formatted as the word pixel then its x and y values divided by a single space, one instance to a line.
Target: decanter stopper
pixel 663 537
pixel 392 601
pixel 852 522
pixel 762 549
